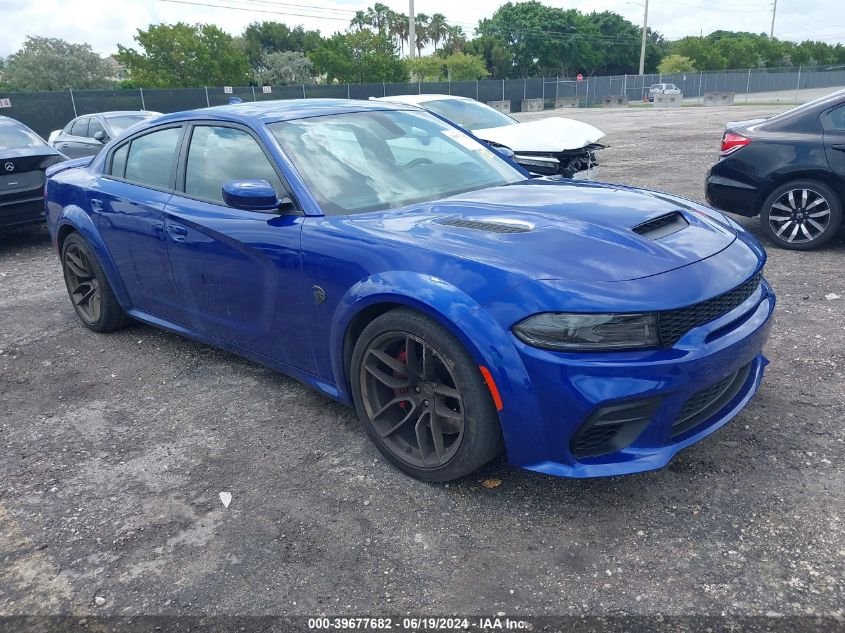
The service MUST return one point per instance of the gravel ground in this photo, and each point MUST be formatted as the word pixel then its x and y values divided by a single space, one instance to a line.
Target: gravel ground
pixel 115 448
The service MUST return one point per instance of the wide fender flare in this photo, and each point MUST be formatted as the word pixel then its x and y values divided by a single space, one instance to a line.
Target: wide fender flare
pixel 77 218
pixel 489 344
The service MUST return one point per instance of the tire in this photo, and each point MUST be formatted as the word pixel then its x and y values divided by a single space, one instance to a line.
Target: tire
pixel 801 215
pixel 88 289
pixel 413 381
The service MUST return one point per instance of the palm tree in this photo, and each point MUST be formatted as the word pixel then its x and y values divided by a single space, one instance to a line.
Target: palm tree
pixel 398 28
pixel 421 32
pixel 359 21
pixel 455 39
pixel 437 29
pixel 377 17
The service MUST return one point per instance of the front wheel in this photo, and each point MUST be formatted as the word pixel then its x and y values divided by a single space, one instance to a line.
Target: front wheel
pixel 422 398
pixel 801 215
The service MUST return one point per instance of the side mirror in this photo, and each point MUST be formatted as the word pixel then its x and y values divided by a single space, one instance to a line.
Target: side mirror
pixel 100 136
pixel 544 165
pixel 505 152
pixel 251 195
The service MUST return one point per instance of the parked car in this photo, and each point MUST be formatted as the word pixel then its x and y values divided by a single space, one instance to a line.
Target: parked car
pixel 23 158
pixel 571 143
pixel 86 135
pixel 664 89
pixel 788 169
pixel 392 261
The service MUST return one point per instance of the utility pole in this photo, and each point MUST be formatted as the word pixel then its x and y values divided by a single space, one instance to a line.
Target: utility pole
pixel 774 11
pixel 642 46
pixel 412 33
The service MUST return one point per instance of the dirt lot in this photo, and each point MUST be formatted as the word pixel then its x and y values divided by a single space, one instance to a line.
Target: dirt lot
pixel 115 447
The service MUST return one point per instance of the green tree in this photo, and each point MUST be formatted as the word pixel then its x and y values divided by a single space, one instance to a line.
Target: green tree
pixel 675 64
pixel 463 67
pixel 426 68
pixel 284 67
pixel 377 17
pixel 359 57
pixel 46 63
pixel 260 38
pixel 360 21
pixel 184 55
pixel 398 27
pixel 455 39
pixel 497 58
pixel 421 34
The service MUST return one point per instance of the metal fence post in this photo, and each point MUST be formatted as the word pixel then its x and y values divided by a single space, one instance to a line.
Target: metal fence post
pixel 476 89
pixel 253 93
pixel 72 102
pixel 557 83
pixel 747 85
pixel 625 85
pixel 587 98
pixel 348 93
pixel 143 105
pixel 503 89
pixel 383 89
pixel 544 92
pixel 303 91
pixel 798 85
pixel 207 102
pixel 524 88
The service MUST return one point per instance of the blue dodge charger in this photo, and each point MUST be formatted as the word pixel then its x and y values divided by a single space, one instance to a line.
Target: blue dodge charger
pixel 394 262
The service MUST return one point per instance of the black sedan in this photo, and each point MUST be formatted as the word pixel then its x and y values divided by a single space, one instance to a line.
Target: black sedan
pixel 789 170
pixel 23 158
pixel 85 135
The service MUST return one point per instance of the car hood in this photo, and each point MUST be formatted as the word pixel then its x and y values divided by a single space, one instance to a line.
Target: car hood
pixel 552 230
pixel 553 134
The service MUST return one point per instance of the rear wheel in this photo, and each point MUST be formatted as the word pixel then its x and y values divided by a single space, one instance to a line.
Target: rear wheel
pixel 89 290
pixel 422 398
pixel 801 215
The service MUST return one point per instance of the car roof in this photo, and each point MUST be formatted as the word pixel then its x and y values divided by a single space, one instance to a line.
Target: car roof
pixel 420 98
pixel 282 110
pixel 7 120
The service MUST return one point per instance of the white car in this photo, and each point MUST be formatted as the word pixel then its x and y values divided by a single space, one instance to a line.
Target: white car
pixel 572 143
pixel 662 89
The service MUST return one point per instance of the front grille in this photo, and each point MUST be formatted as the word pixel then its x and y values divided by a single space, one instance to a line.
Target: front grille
pixel 490 227
pixel 703 404
pixel 613 427
pixel 673 324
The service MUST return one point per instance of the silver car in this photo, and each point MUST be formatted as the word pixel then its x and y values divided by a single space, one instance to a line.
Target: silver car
pixel 666 89
pixel 85 135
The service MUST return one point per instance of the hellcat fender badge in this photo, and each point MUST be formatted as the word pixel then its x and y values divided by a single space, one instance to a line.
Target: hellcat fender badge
pixel 319 295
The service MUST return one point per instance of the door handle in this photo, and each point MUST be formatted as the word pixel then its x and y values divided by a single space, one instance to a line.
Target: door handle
pixel 177 232
pixel 839 147
pixel 96 205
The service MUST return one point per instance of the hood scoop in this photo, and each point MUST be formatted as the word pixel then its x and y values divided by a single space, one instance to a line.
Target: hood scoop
pixel 487 227
pixel 662 226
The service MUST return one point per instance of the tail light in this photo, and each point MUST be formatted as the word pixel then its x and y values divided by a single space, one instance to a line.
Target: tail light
pixel 731 142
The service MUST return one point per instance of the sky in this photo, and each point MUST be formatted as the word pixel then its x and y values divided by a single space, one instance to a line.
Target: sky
pixel 105 23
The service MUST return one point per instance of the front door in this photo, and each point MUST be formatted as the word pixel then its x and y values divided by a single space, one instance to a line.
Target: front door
pixel 238 272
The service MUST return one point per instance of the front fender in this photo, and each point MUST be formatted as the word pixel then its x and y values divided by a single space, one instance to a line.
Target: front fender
pixel 77 218
pixel 487 341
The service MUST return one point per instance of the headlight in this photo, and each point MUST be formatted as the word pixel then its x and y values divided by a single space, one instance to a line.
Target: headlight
pixel 588 332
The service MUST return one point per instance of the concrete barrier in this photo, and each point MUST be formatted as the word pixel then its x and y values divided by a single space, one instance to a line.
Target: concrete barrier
pixel 501 106
pixel 668 101
pixel 532 105
pixel 566 102
pixel 615 102
pixel 718 98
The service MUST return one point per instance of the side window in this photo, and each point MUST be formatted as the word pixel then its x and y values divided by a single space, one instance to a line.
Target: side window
pixel 95 126
pixel 151 158
pixel 80 127
pixel 118 161
pixel 835 119
pixel 220 154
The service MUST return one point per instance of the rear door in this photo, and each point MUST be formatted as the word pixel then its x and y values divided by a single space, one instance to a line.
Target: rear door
pixel 73 142
pixel 238 272
pixel 127 205
pixel 833 122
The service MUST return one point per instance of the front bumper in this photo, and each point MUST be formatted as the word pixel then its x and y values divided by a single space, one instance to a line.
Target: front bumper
pixel 571 388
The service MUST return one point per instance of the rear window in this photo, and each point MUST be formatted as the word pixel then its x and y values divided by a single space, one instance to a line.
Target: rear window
pixel 13 135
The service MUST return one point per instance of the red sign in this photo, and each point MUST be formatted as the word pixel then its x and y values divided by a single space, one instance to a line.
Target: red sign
pixel 579 77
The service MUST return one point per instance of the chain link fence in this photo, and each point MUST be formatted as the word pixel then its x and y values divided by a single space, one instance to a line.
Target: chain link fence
pixel 48 111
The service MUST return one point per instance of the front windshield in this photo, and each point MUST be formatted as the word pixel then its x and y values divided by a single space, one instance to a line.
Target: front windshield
pixel 470 115
pixel 14 136
pixel 368 161
pixel 120 122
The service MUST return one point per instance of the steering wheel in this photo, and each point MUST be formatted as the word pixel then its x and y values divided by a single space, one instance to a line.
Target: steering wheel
pixel 418 161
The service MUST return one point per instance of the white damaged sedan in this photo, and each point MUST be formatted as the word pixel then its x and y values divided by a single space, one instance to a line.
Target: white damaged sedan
pixel 571 143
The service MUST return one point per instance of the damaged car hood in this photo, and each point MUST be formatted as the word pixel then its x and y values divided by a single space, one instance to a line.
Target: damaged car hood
pixel 554 134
